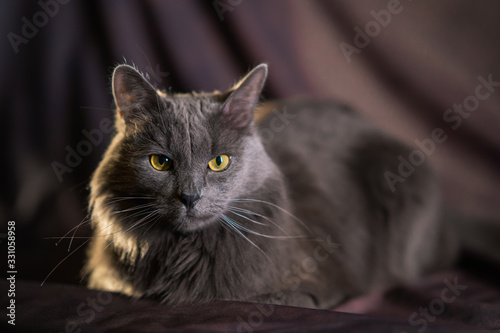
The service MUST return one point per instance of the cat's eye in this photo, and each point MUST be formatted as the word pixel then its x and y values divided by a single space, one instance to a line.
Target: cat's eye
pixel 220 163
pixel 160 162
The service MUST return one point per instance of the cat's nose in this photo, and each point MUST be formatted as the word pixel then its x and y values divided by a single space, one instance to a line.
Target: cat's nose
pixel 189 200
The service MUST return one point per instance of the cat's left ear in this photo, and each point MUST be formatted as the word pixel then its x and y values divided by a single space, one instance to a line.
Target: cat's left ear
pixel 238 107
pixel 132 93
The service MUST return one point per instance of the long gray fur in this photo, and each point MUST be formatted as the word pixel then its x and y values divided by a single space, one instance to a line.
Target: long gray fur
pixel 302 216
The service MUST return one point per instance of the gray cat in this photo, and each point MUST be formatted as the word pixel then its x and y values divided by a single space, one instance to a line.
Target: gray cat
pixel 195 200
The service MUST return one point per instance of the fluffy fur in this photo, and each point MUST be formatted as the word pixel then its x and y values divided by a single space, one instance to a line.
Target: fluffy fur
pixel 302 216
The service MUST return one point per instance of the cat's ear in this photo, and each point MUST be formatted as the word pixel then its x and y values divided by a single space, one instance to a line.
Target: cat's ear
pixel 132 93
pixel 238 107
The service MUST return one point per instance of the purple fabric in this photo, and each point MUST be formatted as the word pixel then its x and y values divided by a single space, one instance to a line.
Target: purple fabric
pixel 452 301
pixel 423 59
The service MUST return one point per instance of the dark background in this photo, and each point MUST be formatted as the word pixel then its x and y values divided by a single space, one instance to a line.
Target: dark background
pixel 57 85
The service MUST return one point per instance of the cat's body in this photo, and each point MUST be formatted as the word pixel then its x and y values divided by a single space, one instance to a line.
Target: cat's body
pixel 303 215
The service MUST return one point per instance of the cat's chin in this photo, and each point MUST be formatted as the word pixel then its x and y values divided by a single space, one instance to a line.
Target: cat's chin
pixel 188 224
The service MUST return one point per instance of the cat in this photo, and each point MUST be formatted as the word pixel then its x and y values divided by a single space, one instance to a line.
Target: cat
pixel 196 200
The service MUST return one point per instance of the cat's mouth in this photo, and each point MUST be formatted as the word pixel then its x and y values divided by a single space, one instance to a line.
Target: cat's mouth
pixel 191 222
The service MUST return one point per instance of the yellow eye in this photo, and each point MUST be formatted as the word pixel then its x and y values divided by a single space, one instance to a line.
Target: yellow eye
pixel 160 162
pixel 220 163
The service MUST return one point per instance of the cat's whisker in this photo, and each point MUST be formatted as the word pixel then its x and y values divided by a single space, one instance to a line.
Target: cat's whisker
pixel 134 225
pixel 131 209
pixel 75 229
pixel 84 275
pixel 247 211
pixel 236 210
pixel 236 224
pixel 99 233
pixel 142 220
pixel 242 210
pixel 229 221
pixel 275 206
pixel 73 237
pixel 264 235
pixel 233 211
pixel 239 226
pixel 152 223
pixel 125 210
pixel 86 219
pixel 221 221
pixel 118 199
pixel 158 218
pixel 62 237
pixel 128 217
pixel 63 260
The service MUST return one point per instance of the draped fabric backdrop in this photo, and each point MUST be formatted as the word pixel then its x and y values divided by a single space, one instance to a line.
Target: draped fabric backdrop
pixel 410 64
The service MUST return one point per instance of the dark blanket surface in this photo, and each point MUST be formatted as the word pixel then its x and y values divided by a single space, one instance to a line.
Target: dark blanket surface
pixel 452 301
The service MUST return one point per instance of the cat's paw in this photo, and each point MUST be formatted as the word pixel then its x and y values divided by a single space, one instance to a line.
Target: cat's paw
pixel 287 297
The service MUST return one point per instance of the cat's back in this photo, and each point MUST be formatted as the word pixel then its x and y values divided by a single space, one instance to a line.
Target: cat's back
pixel 329 141
pixel 343 179
pixel 326 142
pixel 319 129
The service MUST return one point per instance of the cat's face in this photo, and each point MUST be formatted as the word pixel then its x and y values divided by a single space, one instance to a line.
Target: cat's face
pixel 177 161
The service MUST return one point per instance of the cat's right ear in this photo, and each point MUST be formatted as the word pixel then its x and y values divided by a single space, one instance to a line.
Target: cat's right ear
pixel 239 106
pixel 132 93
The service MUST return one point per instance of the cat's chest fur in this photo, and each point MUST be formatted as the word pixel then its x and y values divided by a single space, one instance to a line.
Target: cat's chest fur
pixel 173 268
pixel 179 267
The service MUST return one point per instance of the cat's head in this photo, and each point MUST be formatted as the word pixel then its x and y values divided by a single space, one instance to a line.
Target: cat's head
pixel 178 159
